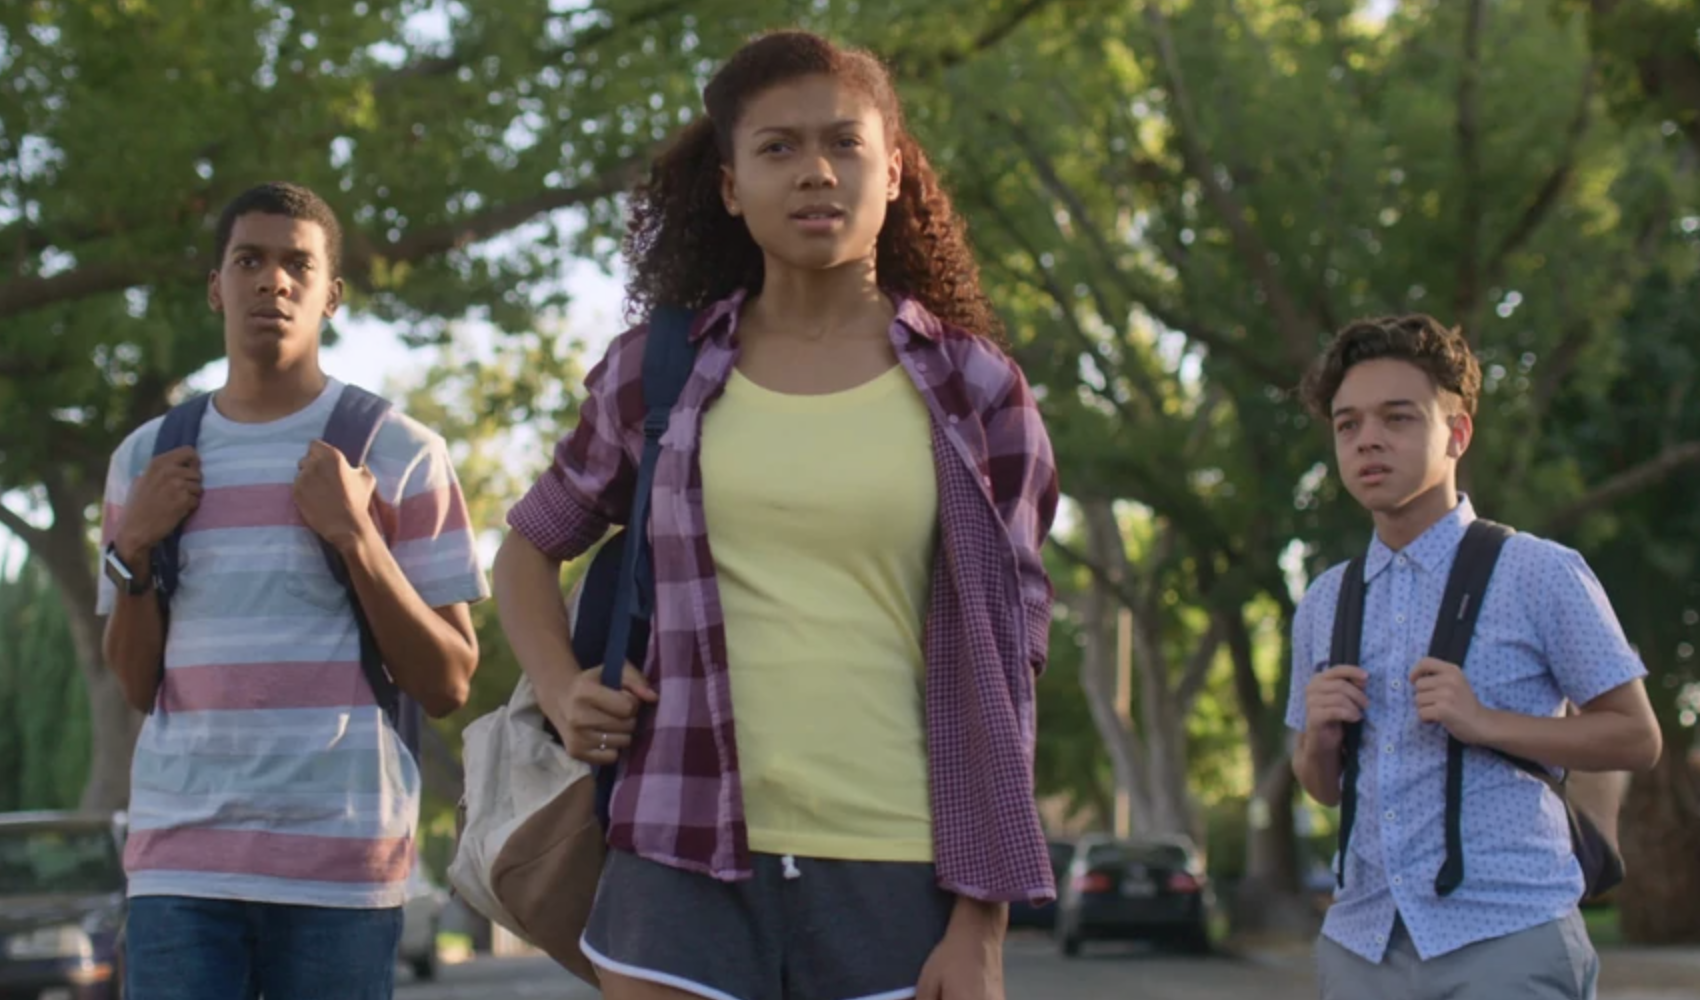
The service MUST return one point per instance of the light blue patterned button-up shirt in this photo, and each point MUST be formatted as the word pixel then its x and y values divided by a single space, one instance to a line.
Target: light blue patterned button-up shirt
pixel 1546 633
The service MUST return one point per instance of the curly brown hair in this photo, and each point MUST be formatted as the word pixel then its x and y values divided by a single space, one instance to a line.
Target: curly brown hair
pixel 685 249
pixel 1422 340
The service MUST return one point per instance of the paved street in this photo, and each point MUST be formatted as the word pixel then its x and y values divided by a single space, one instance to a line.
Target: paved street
pixel 1035 972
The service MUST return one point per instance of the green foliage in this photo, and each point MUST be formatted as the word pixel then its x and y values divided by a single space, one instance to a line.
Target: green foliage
pixel 44 719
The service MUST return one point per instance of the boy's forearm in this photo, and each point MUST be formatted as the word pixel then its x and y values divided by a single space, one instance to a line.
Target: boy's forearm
pixel 430 655
pixel 1318 770
pixel 133 646
pixel 1597 740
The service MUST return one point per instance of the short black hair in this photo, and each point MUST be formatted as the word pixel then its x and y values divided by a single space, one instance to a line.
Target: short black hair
pixel 289 200
pixel 1439 350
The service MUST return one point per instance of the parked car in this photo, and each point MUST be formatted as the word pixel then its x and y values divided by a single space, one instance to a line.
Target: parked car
pixel 62 907
pixel 1044 917
pixel 421 920
pixel 1135 890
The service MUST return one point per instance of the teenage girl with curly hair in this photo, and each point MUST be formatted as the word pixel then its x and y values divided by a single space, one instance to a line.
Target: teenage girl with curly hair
pixel 846 525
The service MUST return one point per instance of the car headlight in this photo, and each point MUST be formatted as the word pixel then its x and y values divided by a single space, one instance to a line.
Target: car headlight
pixel 50 943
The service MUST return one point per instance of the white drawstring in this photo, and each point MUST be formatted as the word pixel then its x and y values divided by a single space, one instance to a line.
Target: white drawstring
pixel 791 870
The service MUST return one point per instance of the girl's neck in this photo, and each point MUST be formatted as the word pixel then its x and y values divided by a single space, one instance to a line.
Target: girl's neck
pixel 820 304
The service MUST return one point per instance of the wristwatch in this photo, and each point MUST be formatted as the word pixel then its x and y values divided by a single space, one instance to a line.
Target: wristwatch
pixel 121 575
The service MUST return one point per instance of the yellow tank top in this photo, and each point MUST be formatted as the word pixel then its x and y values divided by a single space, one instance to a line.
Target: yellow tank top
pixel 822 517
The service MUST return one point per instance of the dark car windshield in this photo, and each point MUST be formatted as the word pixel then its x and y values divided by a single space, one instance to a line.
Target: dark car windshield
pixel 46 861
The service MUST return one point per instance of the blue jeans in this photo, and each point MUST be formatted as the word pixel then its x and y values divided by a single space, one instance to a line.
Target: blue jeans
pixel 178 948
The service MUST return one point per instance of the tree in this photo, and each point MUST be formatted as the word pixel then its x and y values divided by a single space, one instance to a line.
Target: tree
pixel 433 128
pixel 44 746
pixel 1193 196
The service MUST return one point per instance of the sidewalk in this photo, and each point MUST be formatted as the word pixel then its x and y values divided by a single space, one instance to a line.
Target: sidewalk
pixel 1626 973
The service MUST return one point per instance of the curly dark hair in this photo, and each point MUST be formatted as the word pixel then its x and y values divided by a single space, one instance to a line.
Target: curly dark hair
pixel 289 200
pixel 685 249
pixel 1422 340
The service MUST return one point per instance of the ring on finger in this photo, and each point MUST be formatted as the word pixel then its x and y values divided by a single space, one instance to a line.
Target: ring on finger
pixel 602 747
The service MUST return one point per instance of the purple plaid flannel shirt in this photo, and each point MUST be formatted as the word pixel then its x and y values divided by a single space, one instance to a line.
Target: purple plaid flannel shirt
pixel 679 801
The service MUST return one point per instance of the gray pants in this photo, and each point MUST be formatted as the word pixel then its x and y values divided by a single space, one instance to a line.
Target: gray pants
pixel 1554 961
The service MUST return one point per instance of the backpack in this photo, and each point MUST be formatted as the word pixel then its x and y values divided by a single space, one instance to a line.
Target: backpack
pixel 532 829
pixel 352 427
pixel 1593 822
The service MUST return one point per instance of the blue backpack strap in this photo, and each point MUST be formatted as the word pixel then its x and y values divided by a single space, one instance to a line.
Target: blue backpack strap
pixel 351 429
pixel 181 427
pixel 668 359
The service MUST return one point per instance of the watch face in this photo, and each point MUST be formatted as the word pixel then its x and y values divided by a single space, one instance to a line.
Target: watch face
pixel 119 573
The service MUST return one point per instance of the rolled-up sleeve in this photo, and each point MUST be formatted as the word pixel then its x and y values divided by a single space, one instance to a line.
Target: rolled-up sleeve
pixel 588 486
pixel 1024 487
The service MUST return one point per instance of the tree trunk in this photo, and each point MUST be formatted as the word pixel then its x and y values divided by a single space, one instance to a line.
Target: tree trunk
pixel 1268 897
pixel 113 724
pixel 1659 831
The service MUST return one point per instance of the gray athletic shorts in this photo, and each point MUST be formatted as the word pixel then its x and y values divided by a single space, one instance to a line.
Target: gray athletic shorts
pixel 834 930
pixel 1554 961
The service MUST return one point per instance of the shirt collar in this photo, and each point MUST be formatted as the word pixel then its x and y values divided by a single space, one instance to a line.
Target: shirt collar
pixel 912 318
pixel 1430 548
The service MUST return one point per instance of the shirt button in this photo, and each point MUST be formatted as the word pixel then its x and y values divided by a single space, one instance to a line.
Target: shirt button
pixel 1388 748
pixel 1399 618
pixel 955 419
pixel 921 366
pixel 1402 560
pixel 1390 814
pixel 1395 685
pixel 1381 939
pixel 1398 881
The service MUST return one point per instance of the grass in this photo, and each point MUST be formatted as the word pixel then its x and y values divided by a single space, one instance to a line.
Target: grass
pixel 454 947
pixel 1603 928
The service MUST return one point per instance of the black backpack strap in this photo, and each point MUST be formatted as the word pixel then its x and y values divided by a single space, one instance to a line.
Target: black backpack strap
pixel 668 359
pixel 1347 650
pixel 180 428
pixel 1454 627
pixel 351 429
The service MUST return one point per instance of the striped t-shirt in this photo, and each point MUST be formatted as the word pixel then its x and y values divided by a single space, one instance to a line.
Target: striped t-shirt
pixel 266 771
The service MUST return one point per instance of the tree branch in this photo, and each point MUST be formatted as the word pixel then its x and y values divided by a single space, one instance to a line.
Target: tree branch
pixel 1144 300
pixel 1468 291
pixel 28 533
pixel 1297 329
pixel 1626 483
pixel 1197 670
pixel 488 223
pixel 1547 195
pixel 23 294
pixel 1047 283
pixel 1122 589
pixel 1669 73
pixel 910 63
